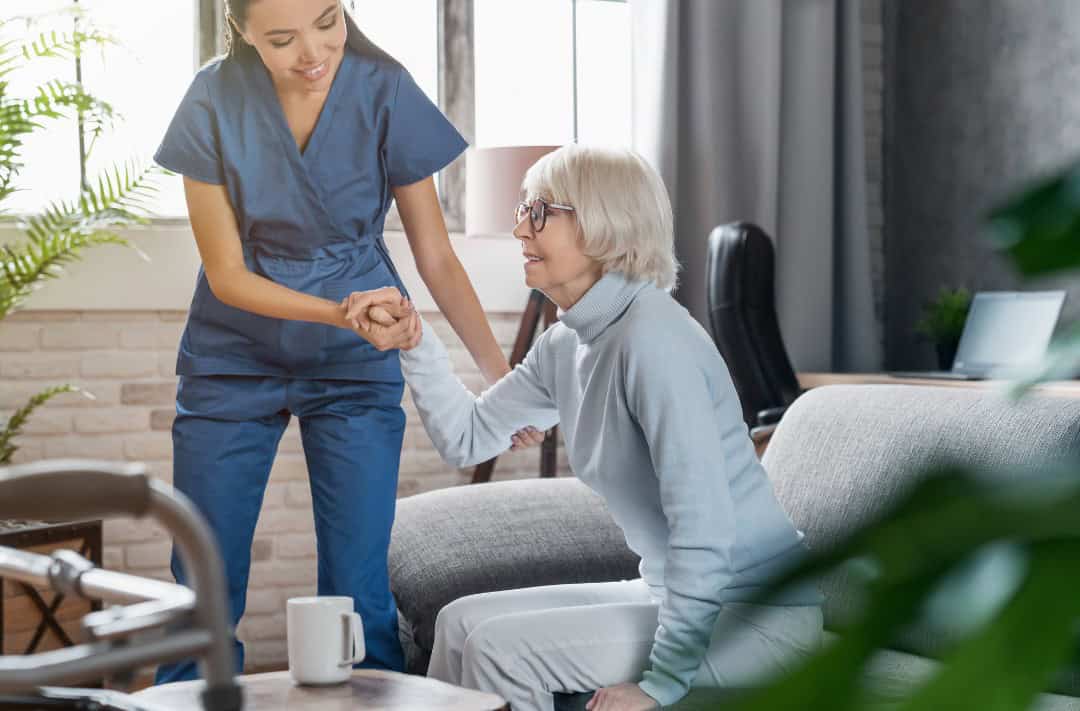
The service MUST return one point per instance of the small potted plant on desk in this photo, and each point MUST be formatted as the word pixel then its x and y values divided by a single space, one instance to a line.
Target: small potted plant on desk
pixel 943 322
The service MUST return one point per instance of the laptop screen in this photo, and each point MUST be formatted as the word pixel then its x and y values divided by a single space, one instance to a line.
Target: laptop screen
pixel 1007 331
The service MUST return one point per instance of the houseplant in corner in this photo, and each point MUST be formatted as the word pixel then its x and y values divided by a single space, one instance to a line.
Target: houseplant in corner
pixel 65 228
pixel 943 322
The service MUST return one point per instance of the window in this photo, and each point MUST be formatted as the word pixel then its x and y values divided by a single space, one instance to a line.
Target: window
pixel 501 82
pixel 143 78
pixel 525 72
pixel 409 31
pixel 603 76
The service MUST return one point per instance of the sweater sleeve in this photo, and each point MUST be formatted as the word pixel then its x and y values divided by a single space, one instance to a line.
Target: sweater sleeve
pixel 466 429
pixel 673 400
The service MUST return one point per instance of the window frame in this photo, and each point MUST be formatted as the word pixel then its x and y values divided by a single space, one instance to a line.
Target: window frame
pixel 456 74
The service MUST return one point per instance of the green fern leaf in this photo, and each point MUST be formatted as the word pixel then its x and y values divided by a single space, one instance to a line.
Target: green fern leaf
pixel 13 427
pixel 23 270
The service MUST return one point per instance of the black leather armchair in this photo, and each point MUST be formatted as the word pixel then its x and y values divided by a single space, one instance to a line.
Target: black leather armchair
pixel 742 316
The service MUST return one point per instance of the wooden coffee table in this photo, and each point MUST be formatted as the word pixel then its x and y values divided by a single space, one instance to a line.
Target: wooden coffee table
pixel 367 690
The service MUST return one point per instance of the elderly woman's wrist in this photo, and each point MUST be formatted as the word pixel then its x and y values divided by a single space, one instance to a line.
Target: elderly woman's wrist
pixel 494 373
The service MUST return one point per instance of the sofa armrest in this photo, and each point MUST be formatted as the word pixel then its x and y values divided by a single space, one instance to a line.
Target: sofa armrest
pixel 761 437
pixel 485 537
pixel 770 416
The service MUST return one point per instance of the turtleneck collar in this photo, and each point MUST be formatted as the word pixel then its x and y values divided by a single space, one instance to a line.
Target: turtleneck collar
pixel 601 305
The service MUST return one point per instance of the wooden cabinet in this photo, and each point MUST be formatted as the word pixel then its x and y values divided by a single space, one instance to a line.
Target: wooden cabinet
pixel 35 619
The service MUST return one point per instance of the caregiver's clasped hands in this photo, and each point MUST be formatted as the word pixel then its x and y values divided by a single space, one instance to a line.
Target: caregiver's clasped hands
pixel 384 318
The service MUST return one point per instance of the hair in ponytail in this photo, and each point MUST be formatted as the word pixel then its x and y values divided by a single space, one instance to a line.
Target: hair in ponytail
pixel 235 46
pixel 235 16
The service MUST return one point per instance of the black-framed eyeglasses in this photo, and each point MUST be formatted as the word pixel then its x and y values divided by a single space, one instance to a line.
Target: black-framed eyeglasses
pixel 537 211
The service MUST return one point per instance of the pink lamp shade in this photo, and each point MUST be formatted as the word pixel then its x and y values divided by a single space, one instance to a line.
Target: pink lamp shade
pixel 493 186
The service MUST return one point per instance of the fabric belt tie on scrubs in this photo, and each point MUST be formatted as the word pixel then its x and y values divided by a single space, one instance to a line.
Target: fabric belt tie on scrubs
pixel 332 271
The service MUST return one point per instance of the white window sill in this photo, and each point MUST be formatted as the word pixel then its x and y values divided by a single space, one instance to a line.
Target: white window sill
pixel 114 278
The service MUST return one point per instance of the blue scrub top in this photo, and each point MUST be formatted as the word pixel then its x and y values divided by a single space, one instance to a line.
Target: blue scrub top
pixel 311 221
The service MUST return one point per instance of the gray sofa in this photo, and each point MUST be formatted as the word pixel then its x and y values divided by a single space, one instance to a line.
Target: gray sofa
pixel 838 455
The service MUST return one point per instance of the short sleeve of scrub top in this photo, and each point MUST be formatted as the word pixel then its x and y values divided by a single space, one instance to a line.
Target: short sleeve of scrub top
pixel 420 140
pixel 190 146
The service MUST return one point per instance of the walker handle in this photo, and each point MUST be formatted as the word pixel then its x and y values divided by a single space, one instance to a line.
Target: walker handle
pixel 73 489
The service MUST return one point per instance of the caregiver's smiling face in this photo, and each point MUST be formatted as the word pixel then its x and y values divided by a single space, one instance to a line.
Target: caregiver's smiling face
pixel 301 42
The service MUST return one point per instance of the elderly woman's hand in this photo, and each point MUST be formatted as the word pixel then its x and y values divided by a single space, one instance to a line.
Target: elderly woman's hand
pixel 621 697
pixel 383 318
pixel 527 437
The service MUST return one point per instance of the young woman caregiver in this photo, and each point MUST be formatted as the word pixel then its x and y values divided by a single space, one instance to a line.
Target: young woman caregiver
pixel 292 148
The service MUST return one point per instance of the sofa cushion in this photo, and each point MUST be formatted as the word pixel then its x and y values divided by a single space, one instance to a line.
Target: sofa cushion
pixel 842 452
pixel 889 675
pixel 892 675
pixel 455 542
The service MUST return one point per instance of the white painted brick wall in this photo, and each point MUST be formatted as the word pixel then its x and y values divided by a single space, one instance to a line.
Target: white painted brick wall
pixel 126 360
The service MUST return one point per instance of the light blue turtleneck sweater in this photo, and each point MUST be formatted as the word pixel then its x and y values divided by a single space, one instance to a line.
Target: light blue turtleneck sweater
pixel 653 424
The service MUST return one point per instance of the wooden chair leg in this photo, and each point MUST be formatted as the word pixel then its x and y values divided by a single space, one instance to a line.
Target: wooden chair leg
pixel 539 308
pixel 549 448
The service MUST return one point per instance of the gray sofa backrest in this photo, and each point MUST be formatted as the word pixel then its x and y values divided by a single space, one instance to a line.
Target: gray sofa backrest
pixel 841 453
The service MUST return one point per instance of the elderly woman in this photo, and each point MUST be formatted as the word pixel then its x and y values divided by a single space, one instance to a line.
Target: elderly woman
pixel 653 424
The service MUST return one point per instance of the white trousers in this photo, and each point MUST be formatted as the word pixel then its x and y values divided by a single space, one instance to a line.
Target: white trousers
pixel 527 644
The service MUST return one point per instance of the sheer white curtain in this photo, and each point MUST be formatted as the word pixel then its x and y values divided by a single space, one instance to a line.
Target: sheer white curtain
pixel 752 110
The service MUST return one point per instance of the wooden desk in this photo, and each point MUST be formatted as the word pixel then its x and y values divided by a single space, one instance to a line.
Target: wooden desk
pixel 366 690
pixel 1066 388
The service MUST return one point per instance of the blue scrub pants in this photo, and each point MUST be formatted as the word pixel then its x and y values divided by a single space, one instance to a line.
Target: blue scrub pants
pixel 225 436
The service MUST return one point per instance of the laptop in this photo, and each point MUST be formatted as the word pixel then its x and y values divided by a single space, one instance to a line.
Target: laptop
pixel 1006 332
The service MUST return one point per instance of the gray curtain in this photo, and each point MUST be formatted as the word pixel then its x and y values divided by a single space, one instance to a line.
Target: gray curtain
pixel 752 110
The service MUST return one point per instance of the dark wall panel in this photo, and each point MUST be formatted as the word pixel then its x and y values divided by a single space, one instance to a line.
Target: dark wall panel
pixel 980 96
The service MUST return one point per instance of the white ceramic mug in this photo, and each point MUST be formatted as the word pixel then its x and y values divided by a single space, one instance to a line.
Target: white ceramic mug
pixel 325 638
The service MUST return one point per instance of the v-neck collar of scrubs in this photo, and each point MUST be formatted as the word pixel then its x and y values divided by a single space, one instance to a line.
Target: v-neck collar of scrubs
pixel 308 155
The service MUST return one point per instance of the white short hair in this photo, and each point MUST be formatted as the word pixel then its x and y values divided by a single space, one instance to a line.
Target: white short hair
pixel 622 207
